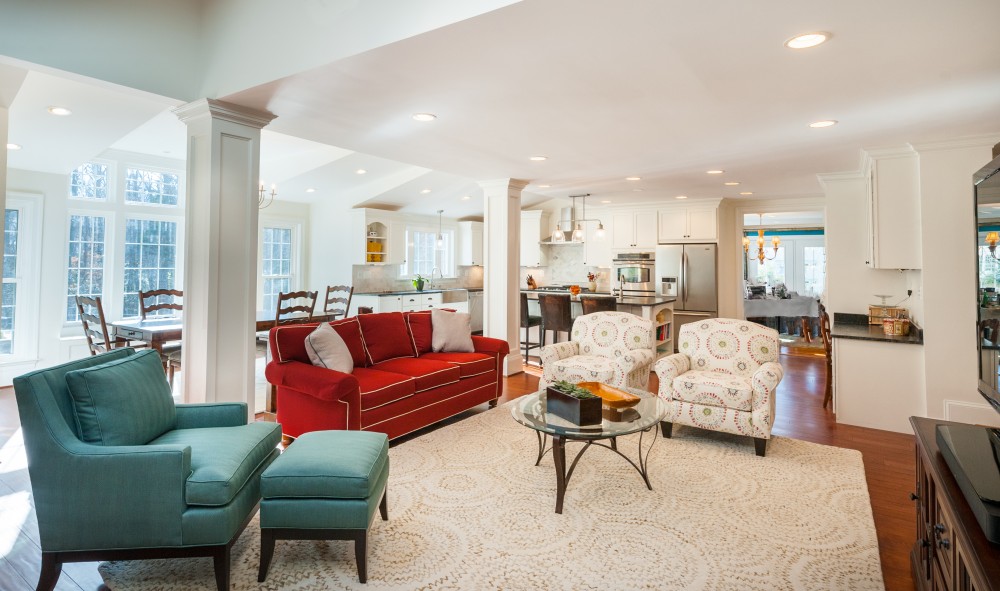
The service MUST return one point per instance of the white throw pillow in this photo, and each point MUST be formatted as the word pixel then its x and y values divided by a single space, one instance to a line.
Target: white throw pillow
pixel 451 331
pixel 326 348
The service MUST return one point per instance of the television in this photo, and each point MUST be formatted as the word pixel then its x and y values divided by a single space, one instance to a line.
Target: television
pixel 972 452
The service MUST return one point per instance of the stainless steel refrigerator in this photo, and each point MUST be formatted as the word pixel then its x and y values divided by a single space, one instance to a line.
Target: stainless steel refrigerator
pixel 688 271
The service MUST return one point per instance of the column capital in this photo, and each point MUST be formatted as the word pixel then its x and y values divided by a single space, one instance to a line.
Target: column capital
pixel 506 184
pixel 225 111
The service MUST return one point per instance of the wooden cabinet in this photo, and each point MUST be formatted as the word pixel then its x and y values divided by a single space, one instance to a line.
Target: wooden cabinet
pixel 470 243
pixel 633 230
pixel 893 210
pixel 534 228
pixel 688 224
pixel 950 553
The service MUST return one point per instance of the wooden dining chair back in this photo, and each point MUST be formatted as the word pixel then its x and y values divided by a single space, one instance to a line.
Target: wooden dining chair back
pixel 556 314
pixel 824 331
pixel 94 326
pixel 593 304
pixel 298 303
pixel 338 301
pixel 159 299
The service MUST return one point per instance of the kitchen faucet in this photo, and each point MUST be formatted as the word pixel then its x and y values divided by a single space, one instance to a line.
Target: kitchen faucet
pixel 621 287
pixel 439 272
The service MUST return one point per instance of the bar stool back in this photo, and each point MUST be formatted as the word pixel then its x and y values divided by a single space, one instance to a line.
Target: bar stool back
pixel 556 315
pixel 593 304
pixel 528 321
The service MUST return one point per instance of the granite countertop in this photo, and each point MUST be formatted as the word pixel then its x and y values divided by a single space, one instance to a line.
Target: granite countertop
pixel 627 301
pixel 582 292
pixel 856 327
pixel 413 291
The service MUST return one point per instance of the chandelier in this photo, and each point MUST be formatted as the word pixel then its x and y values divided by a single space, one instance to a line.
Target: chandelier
pixel 577 233
pixel 991 240
pixel 760 254
pixel 263 197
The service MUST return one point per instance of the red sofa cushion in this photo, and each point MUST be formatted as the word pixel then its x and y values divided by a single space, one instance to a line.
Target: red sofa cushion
pixel 469 364
pixel 419 325
pixel 385 336
pixel 426 373
pixel 289 342
pixel 382 387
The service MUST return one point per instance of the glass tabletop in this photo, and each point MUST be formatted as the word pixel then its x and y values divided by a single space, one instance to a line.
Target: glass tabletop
pixel 530 411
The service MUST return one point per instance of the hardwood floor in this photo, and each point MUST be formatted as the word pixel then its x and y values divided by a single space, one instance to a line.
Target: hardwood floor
pixel 888 460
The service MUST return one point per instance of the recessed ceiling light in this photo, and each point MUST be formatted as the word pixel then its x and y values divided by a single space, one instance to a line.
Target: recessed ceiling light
pixel 544 186
pixel 681 197
pixel 466 197
pixel 714 171
pixel 636 190
pixel 310 190
pixel 807 40
pixel 424 116
pixel 633 178
pixel 606 201
pixel 13 147
pixel 746 193
pixel 425 191
pixel 538 158
pixel 61 111
pixel 360 171
pixel 731 183
pixel 823 123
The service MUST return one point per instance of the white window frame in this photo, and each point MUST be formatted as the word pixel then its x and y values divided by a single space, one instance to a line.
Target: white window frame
pixel 26 310
pixel 295 279
pixel 794 250
pixel 445 260
pixel 112 183
pixel 181 185
pixel 71 326
pixel 119 256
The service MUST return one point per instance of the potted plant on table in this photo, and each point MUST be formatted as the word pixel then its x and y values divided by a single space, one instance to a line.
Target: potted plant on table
pixel 573 403
pixel 418 282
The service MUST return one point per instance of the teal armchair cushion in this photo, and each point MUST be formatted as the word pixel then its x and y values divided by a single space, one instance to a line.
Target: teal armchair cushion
pixel 122 402
pixel 222 458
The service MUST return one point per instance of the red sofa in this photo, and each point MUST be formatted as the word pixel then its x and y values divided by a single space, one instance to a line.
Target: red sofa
pixel 398 384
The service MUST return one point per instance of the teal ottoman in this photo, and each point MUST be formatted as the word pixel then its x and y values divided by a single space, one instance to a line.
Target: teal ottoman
pixel 325 487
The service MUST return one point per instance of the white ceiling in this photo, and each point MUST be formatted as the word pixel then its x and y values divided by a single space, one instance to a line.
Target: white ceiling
pixel 659 89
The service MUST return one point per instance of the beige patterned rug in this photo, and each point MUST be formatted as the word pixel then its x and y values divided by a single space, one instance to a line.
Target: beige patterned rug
pixel 469 510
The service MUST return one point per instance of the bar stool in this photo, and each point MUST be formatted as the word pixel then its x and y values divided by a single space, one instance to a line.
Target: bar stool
pixel 556 315
pixel 528 321
pixel 593 304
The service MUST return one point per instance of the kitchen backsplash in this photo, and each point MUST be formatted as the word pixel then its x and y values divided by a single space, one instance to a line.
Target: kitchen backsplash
pixel 375 278
pixel 565 266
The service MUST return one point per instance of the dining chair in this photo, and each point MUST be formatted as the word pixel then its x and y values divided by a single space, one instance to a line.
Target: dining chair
pixel 299 302
pixel 528 321
pixel 94 326
pixel 593 304
pixel 556 314
pixel 824 331
pixel 164 299
pixel 159 299
pixel 335 295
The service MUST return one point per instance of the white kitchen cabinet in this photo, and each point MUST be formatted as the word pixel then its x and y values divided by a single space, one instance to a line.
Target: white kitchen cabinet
pixel 470 243
pixel 893 210
pixel 534 228
pixel 596 249
pixel 680 224
pixel 397 242
pixel 373 239
pixel 413 302
pixel 378 303
pixel 633 230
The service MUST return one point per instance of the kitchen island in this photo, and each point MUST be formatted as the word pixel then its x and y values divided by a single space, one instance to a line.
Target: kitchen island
pixel 657 309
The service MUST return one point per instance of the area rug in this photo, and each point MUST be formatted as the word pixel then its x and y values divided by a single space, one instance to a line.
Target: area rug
pixel 469 510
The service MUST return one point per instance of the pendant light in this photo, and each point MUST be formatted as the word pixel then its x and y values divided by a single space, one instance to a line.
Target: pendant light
pixel 440 237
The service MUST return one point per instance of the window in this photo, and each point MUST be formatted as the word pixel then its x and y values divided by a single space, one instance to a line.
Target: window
pixel 151 187
pixel 89 181
pixel 772 272
pixel 150 260
pixel 9 298
pixel 85 275
pixel 277 263
pixel 814 259
pixel 423 255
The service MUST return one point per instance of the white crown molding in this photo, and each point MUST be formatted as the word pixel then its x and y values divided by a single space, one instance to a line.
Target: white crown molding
pixel 839 177
pixel 225 111
pixel 515 184
pixel 883 152
pixel 973 141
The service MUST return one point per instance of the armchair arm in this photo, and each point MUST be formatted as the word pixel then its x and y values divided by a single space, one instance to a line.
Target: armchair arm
pixel 764 382
pixel 319 382
pixel 556 351
pixel 635 359
pixel 220 414
pixel 94 497
pixel 669 368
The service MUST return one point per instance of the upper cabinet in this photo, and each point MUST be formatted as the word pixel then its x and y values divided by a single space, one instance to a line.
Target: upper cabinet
pixel 688 224
pixel 376 238
pixel 534 229
pixel 893 209
pixel 633 229
pixel 596 249
pixel 470 243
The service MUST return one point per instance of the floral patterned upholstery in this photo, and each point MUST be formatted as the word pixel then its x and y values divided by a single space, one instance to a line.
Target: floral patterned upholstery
pixel 611 347
pixel 723 378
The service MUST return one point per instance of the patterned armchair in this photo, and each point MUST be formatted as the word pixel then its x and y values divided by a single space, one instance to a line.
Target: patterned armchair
pixel 615 348
pixel 723 379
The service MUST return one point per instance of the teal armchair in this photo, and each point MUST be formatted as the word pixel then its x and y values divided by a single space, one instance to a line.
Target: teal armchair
pixel 189 491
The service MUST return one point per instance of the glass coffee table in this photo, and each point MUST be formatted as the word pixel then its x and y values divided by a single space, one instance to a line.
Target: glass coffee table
pixel 530 411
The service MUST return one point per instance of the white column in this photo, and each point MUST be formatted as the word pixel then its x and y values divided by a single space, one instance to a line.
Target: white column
pixel 11 79
pixel 502 256
pixel 220 271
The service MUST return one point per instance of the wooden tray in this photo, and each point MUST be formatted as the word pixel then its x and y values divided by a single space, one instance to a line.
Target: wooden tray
pixel 610 396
